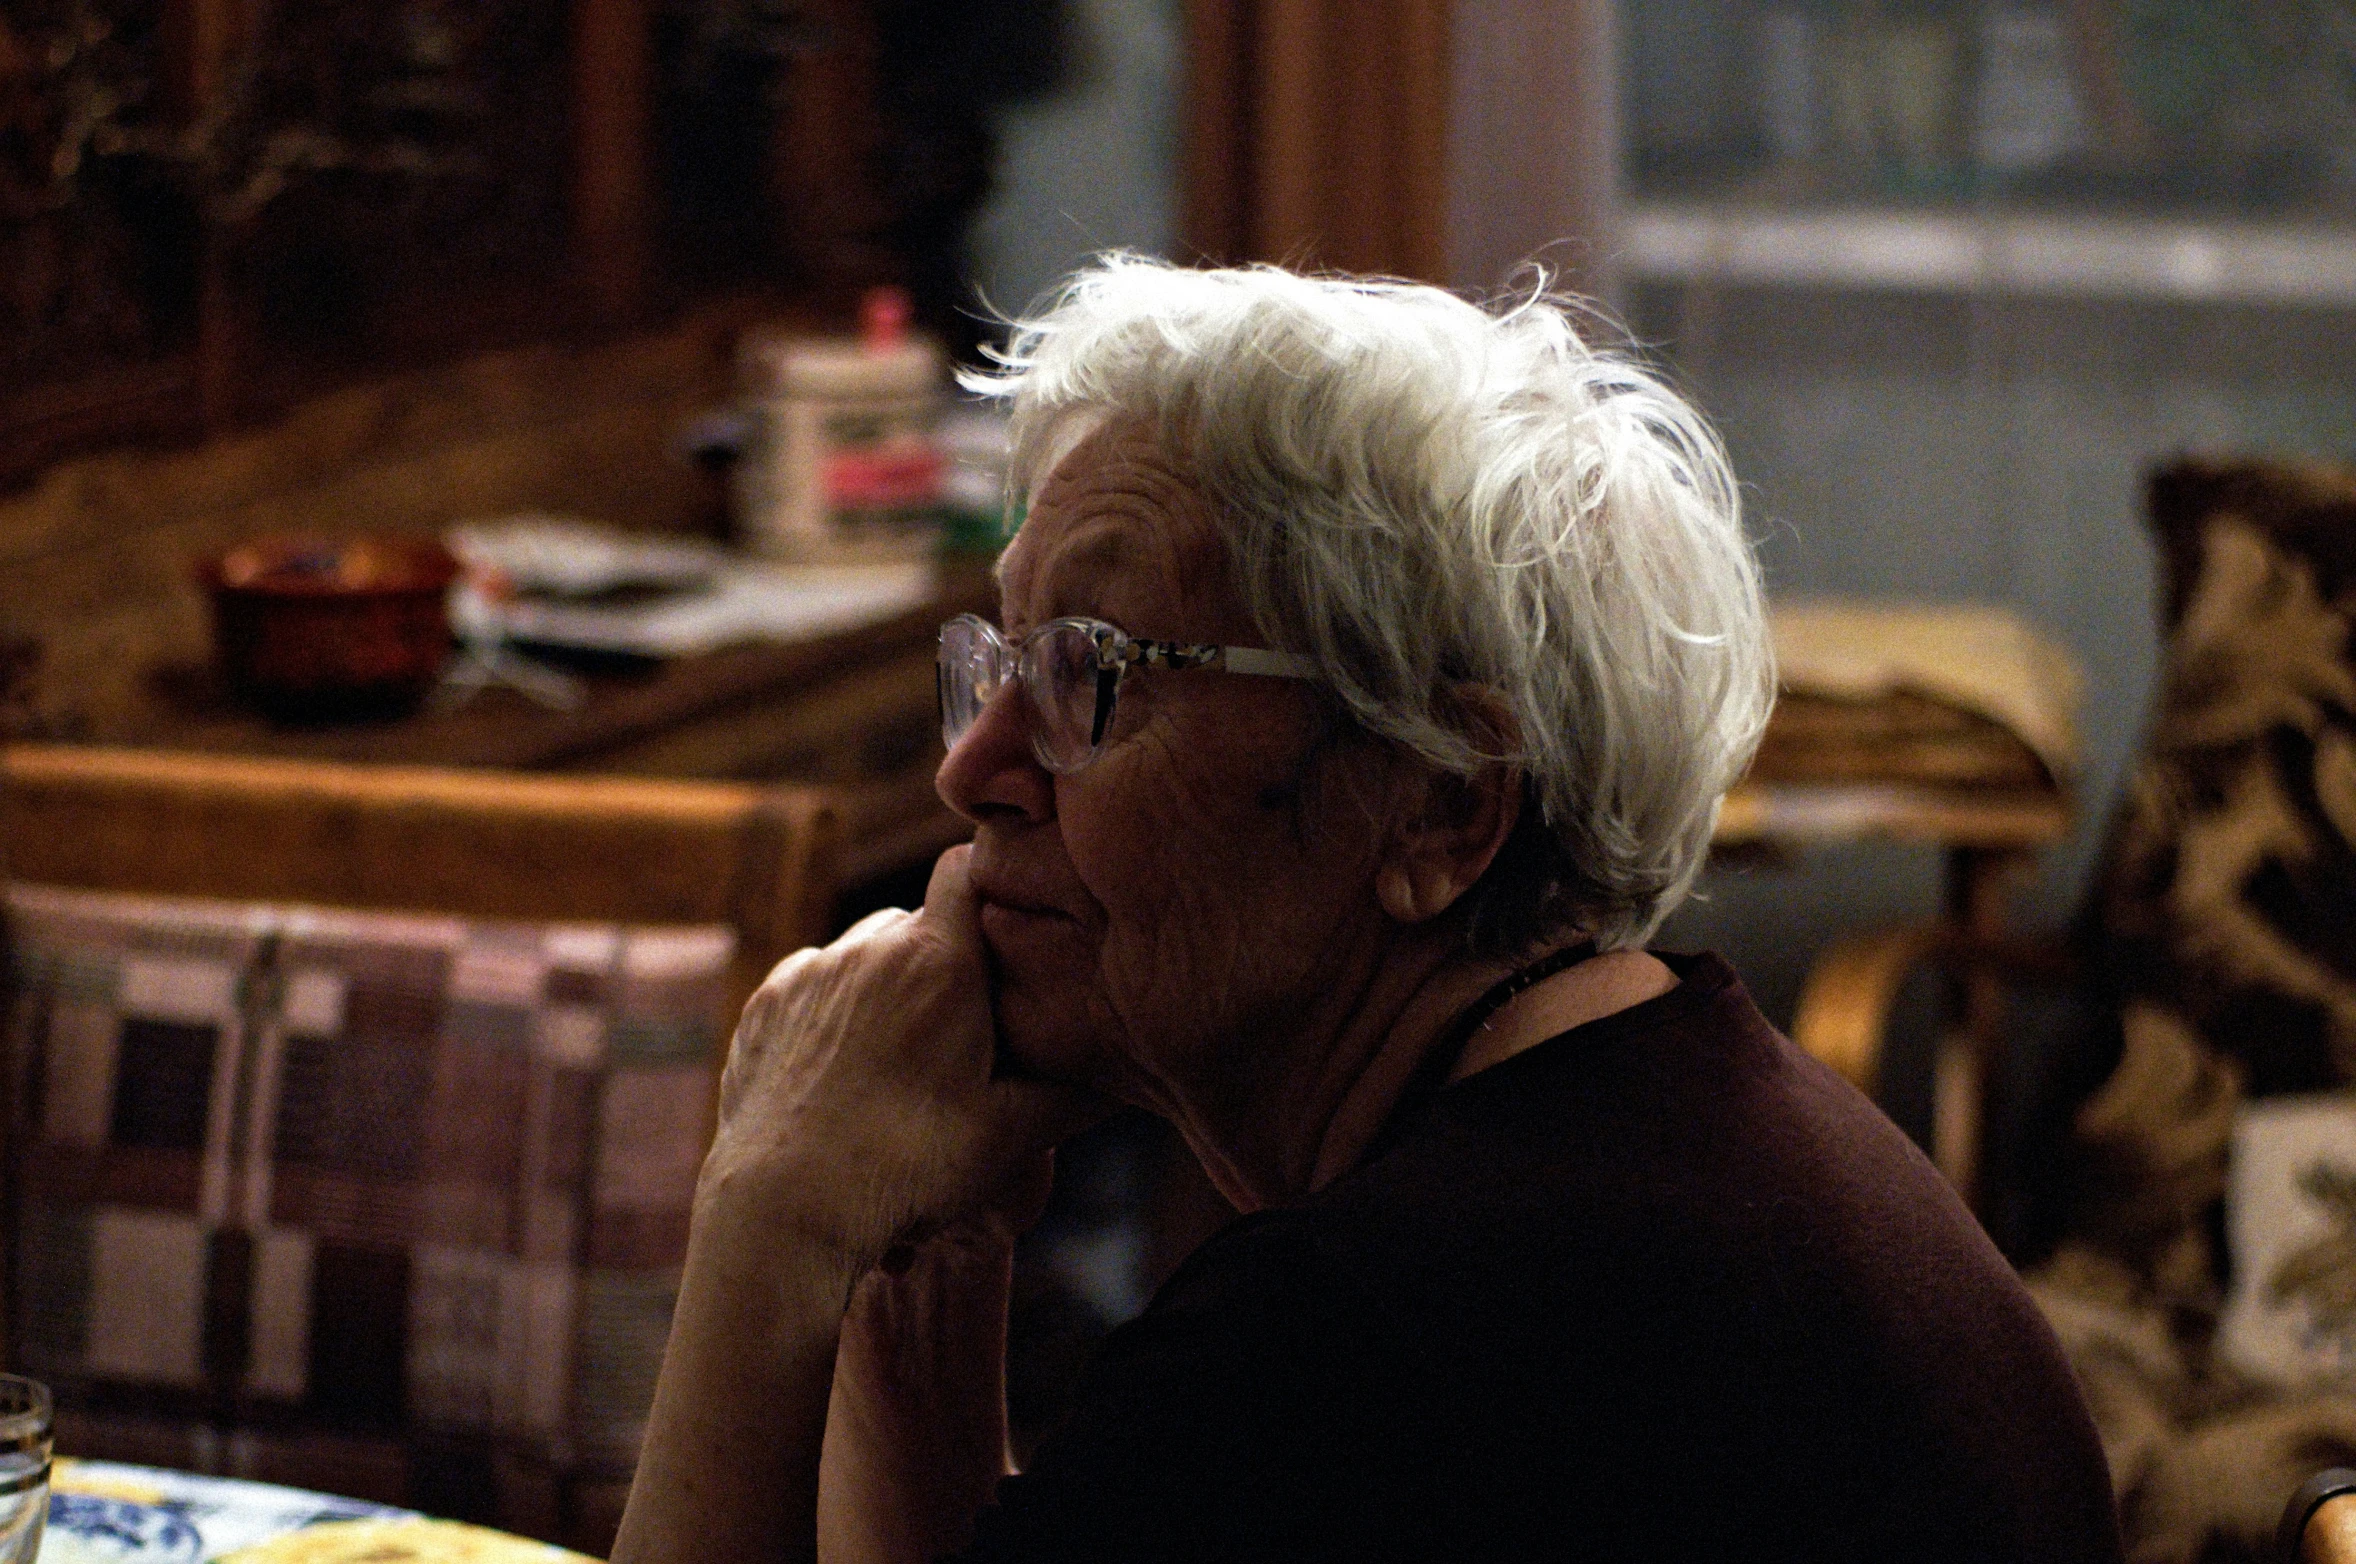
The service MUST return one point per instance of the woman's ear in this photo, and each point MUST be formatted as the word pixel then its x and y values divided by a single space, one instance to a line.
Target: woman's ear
pixel 1449 828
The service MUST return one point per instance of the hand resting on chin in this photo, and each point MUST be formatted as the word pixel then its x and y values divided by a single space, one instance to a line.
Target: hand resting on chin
pixel 861 1116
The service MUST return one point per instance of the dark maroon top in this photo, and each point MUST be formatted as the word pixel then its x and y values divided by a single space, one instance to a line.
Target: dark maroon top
pixel 1662 1287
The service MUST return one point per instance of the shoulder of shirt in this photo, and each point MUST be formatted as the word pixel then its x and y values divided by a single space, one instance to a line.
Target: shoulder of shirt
pixel 1709 1006
pixel 1321 1257
pixel 1270 1253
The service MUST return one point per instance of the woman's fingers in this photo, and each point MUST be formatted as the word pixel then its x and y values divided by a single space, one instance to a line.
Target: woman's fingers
pixel 865 1071
pixel 873 926
pixel 952 915
pixel 950 888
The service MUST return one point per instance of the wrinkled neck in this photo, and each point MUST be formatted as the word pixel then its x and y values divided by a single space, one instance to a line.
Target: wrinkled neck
pixel 1366 1048
pixel 1288 1110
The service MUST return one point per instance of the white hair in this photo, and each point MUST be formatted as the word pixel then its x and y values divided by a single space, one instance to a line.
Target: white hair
pixel 1419 492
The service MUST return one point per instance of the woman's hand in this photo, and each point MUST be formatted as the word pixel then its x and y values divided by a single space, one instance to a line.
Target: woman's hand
pixel 860 1112
pixel 860 1102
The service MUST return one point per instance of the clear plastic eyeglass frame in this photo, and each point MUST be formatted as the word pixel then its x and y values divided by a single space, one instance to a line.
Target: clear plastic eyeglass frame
pixel 1071 672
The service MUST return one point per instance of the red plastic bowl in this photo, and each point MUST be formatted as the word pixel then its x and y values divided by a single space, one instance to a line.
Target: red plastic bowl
pixel 312 629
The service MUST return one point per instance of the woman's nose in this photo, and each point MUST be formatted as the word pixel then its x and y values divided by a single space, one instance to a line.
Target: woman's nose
pixel 991 769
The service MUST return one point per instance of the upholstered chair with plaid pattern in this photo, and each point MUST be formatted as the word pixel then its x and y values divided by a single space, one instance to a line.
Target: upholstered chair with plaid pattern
pixel 355 1113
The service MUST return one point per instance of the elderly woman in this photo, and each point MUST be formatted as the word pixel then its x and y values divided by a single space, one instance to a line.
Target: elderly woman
pixel 1369 670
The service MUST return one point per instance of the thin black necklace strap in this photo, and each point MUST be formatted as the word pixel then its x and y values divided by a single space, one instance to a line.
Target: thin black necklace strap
pixel 1503 993
pixel 1431 1075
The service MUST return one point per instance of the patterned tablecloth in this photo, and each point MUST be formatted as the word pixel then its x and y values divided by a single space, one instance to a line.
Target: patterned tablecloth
pixel 103 1510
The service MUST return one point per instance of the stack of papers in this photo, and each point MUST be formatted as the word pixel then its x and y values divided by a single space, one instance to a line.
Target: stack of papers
pixel 741 602
pixel 554 581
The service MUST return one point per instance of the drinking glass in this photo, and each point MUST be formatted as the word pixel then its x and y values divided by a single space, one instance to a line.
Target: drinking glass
pixel 24 1467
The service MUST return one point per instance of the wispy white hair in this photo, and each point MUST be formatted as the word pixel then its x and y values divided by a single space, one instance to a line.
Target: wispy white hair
pixel 1419 492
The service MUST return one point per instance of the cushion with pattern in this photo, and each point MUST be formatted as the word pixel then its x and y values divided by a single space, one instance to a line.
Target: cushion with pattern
pixel 358 1169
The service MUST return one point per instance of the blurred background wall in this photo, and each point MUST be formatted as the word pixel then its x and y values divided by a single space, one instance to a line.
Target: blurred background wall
pixel 1094 166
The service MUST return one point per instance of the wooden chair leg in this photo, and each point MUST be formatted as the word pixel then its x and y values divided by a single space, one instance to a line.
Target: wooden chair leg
pixel 1959 1094
pixel 1843 1020
pixel 1843 1017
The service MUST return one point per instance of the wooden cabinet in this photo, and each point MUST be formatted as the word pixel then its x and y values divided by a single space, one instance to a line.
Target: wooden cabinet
pixel 211 209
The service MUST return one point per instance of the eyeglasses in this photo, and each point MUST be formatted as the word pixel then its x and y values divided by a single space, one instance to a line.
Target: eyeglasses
pixel 1071 672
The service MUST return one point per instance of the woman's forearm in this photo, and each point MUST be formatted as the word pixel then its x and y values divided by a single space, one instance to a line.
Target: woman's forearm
pixel 860 1110
pixel 916 1435
pixel 729 1469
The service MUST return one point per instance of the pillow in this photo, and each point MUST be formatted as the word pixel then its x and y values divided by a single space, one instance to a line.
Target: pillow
pixel 431 1172
pixel 2291 1210
pixel 2224 919
pixel 129 1026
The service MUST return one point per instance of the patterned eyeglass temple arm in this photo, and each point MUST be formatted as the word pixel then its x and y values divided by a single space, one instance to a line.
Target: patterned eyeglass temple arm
pixel 1228 659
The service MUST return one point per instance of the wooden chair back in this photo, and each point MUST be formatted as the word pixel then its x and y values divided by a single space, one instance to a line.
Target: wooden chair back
pixel 471 843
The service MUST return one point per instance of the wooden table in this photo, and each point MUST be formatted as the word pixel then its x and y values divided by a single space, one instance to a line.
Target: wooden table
pixel 1909 770
pixel 858 711
pixel 1902 769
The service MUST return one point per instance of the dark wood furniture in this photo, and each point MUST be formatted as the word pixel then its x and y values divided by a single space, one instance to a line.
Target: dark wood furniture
pixel 270 199
pixel 855 713
pixel 212 209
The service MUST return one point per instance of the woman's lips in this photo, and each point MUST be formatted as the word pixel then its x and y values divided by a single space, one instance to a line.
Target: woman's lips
pixel 1003 922
pixel 1025 910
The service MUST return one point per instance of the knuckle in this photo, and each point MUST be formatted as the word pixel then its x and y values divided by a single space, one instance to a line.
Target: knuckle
pixel 882 921
pixel 788 971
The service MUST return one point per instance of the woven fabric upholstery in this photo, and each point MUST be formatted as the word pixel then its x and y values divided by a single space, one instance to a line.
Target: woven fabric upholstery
pixel 2226 911
pixel 2224 928
pixel 128 1025
pixel 2229 897
pixel 358 1170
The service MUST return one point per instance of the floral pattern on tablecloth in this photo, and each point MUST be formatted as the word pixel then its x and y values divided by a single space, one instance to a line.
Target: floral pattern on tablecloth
pixel 225 1513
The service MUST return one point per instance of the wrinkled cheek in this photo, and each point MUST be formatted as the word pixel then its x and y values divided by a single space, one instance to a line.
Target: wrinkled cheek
pixel 1168 891
pixel 1171 900
pixel 1174 968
